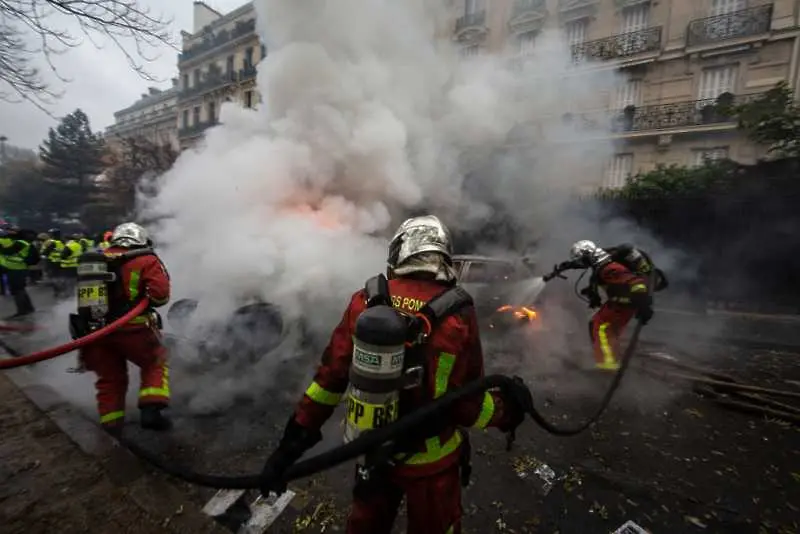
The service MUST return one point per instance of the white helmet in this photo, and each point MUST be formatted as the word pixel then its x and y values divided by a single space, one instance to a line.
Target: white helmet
pixel 129 235
pixel 589 254
pixel 418 235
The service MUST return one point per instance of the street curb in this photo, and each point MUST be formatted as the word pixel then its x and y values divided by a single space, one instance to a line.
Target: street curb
pixel 152 494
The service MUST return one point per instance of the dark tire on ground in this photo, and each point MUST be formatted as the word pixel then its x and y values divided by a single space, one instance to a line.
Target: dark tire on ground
pixel 256 328
pixel 180 313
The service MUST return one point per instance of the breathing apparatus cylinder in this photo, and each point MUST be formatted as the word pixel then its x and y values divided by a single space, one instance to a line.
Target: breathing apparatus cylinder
pixel 93 291
pixel 376 371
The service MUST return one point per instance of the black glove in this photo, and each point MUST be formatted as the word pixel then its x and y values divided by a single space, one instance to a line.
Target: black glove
pixel 644 308
pixel 296 441
pixel 644 314
pixel 518 402
pixel 564 265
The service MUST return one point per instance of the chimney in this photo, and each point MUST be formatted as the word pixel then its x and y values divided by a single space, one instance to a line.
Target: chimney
pixel 174 82
pixel 144 95
pixel 153 90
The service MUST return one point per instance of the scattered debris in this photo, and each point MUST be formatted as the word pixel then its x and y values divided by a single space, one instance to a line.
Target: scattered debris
pixel 525 466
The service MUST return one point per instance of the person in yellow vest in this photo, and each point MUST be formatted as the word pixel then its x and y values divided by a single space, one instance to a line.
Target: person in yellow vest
pixel 14 254
pixel 51 251
pixel 87 243
pixel 69 264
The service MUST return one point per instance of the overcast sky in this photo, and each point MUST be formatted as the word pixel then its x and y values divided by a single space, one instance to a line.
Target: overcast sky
pixel 101 81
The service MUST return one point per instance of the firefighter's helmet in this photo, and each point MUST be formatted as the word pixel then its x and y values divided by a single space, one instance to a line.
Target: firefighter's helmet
pixel 419 235
pixel 589 254
pixel 128 235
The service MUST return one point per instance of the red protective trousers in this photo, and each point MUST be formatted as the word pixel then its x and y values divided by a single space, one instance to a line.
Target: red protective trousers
pixel 433 504
pixel 606 327
pixel 109 358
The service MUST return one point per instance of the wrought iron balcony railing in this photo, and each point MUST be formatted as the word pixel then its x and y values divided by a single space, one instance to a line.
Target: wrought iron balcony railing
pixel 527 6
pixel 618 46
pixel 196 129
pixel 210 82
pixel 212 41
pixel 247 73
pixel 752 21
pixel 468 20
pixel 679 114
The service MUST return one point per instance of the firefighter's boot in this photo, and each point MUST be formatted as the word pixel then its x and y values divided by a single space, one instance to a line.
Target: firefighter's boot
pixel 153 419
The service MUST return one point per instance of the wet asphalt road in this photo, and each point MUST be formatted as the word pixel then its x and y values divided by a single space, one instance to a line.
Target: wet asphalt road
pixel 661 455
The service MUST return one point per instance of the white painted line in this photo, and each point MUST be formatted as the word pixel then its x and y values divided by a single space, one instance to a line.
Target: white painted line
pixel 221 501
pixel 265 512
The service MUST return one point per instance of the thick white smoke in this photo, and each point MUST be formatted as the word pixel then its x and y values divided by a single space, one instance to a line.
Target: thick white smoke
pixel 367 116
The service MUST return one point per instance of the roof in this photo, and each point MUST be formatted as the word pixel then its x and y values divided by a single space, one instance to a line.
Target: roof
pixel 223 19
pixel 149 100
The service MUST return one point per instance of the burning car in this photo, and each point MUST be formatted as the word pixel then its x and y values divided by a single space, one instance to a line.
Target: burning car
pixel 506 291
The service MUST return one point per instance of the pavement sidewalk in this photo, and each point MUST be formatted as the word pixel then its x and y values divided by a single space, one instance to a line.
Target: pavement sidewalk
pixel 49 484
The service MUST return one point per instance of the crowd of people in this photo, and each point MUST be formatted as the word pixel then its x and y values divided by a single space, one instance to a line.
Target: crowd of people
pixel 29 258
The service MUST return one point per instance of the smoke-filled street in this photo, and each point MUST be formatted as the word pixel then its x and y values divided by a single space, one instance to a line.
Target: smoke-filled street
pixel 662 455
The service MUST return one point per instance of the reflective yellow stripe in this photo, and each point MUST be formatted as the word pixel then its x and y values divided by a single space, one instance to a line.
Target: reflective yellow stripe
pixel 443 370
pixel 321 395
pixel 638 288
pixel 435 451
pixel 605 346
pixel 112 416
pixel 608 366
pixel 487 411
pixel 133 285
pixel 163 391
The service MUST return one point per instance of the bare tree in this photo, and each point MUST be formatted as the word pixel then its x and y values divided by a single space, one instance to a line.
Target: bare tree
pixel 131 27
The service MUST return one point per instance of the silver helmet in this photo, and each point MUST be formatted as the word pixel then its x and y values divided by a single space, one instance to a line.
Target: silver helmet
pixel 419 235
pixel 589 254
pixel 129 235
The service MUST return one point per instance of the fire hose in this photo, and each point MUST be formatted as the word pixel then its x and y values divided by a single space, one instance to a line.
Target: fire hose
pixel 53 352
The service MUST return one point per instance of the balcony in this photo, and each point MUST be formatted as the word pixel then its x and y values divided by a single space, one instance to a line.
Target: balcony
pixel 471 25
pixel 247 73
pixel 196 129
pixel 680 114
pixel 527 15
pixel 211 41
pixel 744 23
pixel 618 46
pixel 210 82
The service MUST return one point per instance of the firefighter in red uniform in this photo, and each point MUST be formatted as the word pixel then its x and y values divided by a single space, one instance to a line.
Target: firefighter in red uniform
pixel 428 470
pixel 142 276
pixel 627 296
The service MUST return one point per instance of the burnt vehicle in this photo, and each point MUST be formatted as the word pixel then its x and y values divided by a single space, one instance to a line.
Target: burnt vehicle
pixel 506 294
pixel 507 291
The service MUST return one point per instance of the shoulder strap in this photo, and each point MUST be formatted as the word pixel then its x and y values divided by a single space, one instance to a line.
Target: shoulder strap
pixel 443 305
pixel 377 291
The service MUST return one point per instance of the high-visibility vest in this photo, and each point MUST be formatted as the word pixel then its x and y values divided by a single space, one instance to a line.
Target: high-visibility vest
pixel 86 243
pixel 104 245
pixel 75 251
pixel 54 256
pixel 15 262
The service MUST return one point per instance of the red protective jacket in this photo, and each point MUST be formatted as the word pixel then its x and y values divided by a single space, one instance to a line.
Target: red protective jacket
pixel 620 284
pixel 453 356
pixel 143 276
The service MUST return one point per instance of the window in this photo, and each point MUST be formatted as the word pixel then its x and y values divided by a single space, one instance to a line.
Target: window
pixel 471 6
pixel 185 118
pixel 576 31
pixel 185 81
pixel 723 7
pixel 525 42
pixel 248 99
pixel 635 18
pixel 716 81
pixel 628 94
pixel 619 170
pixel 470 51
pixel 212 111
pixel 248 57
pixel 196 115
pixel 196 75
pixel 229 64
pixel 703 155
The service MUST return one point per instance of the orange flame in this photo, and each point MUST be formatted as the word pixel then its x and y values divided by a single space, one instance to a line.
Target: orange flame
pixel 520 312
